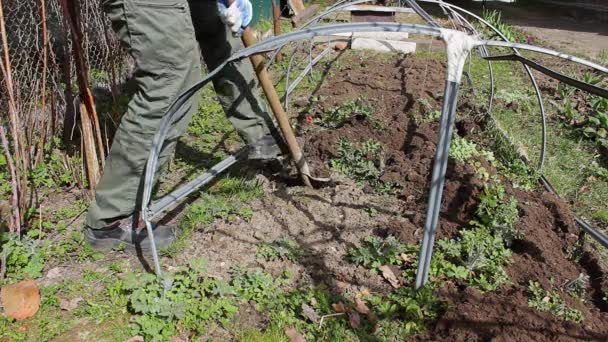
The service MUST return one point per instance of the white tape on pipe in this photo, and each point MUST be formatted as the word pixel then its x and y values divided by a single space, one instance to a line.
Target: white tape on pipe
pixel 458 45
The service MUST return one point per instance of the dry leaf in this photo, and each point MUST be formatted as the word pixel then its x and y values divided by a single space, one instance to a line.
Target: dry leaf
pixel 364 293
pixel 313 301
pixel 294 335
pixel 407 257
pixel 20 300
pixel 340 285
pixel 361 307
pixel 69 305
pixel 338 307
pixel 354 320
pixel 388 274
pixel 310 313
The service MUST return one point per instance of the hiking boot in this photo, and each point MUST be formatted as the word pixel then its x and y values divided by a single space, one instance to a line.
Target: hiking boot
pixel 265 148
pixel 124 233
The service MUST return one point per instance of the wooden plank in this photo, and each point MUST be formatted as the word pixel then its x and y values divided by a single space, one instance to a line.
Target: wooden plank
pixel 383 45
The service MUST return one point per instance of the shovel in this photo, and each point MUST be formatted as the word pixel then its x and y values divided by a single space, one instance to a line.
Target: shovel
pixel 278 111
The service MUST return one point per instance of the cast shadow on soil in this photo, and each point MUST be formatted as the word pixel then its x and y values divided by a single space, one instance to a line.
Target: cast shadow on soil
pixel 516 328
pixel 529 248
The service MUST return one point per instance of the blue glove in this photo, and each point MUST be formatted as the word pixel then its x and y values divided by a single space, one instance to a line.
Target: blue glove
pixel 236 16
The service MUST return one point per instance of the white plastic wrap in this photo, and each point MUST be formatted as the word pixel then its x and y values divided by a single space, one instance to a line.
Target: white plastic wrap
pixel 458 45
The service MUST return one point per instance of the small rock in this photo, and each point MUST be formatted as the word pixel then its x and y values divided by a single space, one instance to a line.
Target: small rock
pixel 177 339
pixel 294 335
pixel 258 235
pixel 69 305
pixel 53 273
pixel 136 339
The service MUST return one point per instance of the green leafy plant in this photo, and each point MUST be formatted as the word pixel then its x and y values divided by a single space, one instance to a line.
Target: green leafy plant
pixel 596 126
pixel 483 255
pixel 24 256
pixel 498 212
pixel 494 17
pixel 186 298
pixel 256 285
pixel 377 251
pixel 462 149
pixel 406 311
pixel 364 163
pixel 520 175
pixel 336 117
pixel 285 249
pixel 552 302
pixel 432 116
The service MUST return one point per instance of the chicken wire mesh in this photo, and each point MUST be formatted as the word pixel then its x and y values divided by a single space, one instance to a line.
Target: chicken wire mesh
pixel 43 69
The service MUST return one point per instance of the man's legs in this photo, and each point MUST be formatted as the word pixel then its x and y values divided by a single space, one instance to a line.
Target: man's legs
pixel 236 85
pixel 160 36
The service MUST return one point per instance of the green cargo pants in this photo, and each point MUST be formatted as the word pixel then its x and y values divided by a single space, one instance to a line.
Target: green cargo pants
pixel 162 37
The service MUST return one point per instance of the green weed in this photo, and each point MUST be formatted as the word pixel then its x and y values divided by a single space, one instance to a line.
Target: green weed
pixel 283 249
pixel 494 17
pixel 498 212
pixel 377 252
pixel 364 163
pixel 256 285
pixel 463 150
pixel 24 256
pixel 53 171
pixel 187 299
pixel 520 175
pixel 338 116
pixel 406 311
pixel 483 255
pixel 552 302
pixel 431 116
pixel 603 56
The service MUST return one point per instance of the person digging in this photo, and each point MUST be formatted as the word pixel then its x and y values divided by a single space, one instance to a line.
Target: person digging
pixel 164 38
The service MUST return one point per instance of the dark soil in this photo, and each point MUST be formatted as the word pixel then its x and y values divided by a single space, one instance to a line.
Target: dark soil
pixel 395 90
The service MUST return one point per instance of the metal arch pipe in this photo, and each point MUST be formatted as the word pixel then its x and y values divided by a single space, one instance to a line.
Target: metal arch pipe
pixel 268 45
pixel 264 46
pixel 546 51
pixel 541 103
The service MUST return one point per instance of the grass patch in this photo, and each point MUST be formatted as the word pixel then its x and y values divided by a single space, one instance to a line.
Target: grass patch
pixel 227 200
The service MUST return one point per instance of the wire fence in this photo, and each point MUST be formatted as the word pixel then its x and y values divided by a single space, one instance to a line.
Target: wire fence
pixel 42 43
